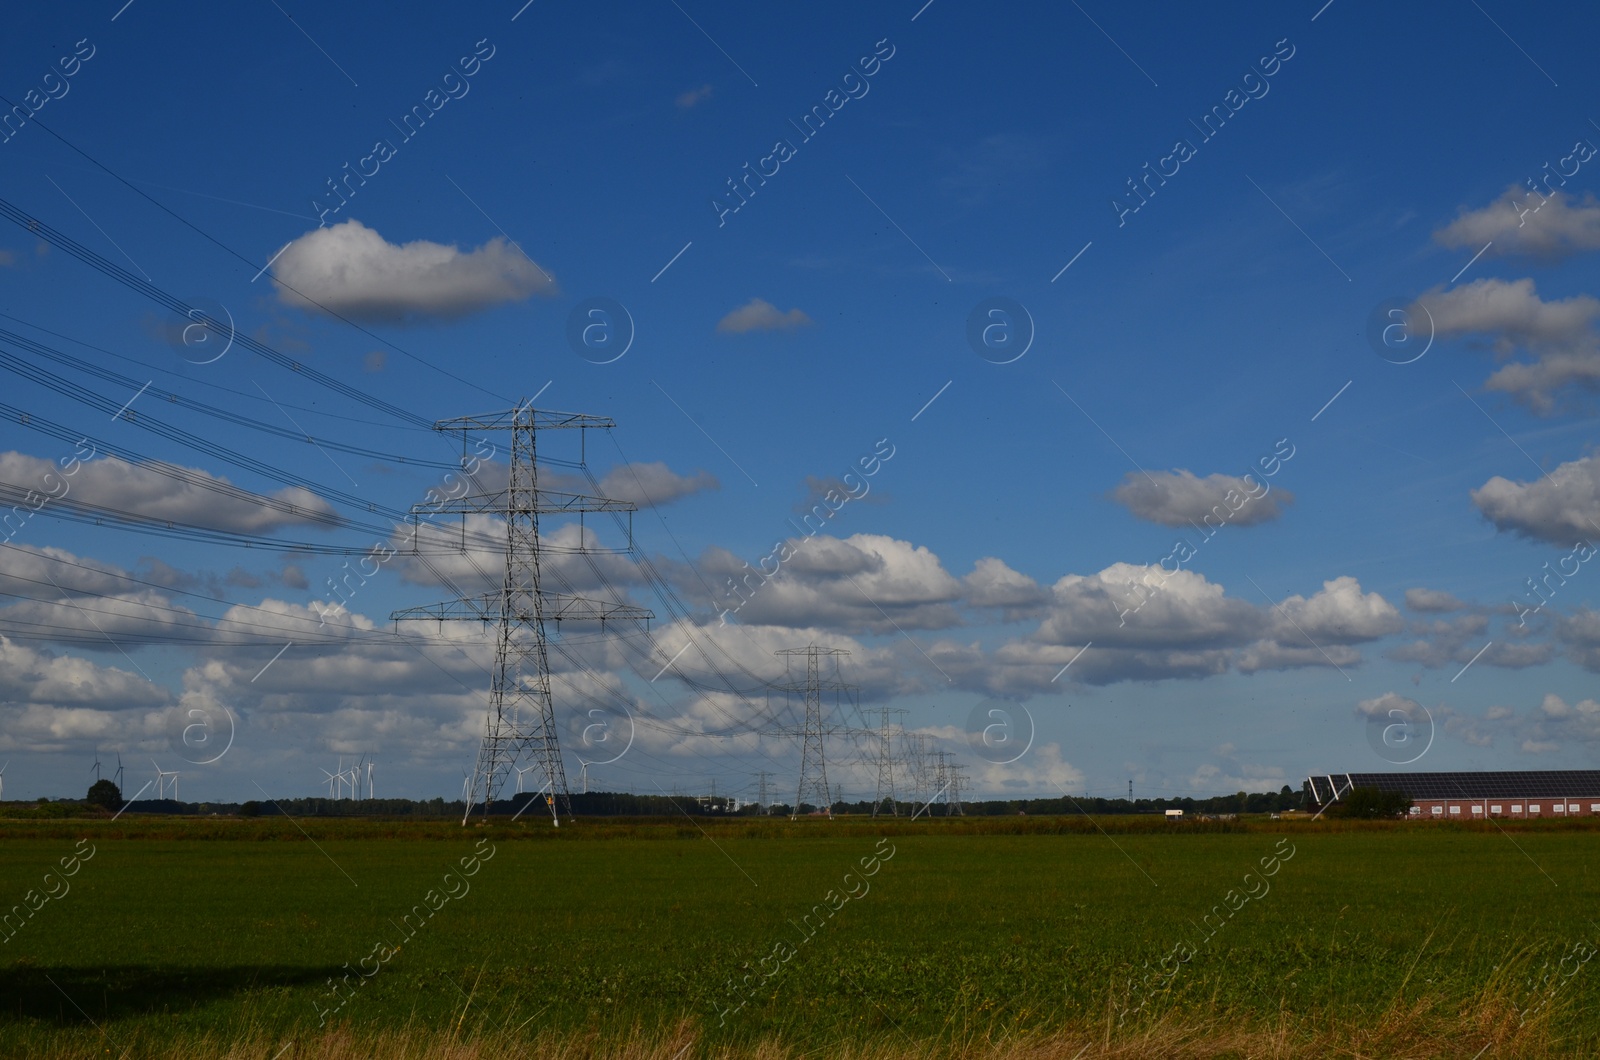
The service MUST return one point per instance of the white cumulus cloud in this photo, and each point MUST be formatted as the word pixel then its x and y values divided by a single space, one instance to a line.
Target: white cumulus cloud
pixel 1437 600
pixel 1179 497
pixel 653 484
pixel 1562 507
pixel 1380 706
pixel 1341 613
pixel 1523 222
pixel 161 492
pixel 351 270
pixel 1558 334
pixel 758 314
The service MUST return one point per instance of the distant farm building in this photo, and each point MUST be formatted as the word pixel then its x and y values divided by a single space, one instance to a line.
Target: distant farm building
pixel 1474 796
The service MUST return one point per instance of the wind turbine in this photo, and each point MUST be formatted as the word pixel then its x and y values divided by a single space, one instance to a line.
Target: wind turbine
pixel 162 786
pixel 96 766
pixel 355 777
pixel 345 776
pixel 3 777
pixel 119 771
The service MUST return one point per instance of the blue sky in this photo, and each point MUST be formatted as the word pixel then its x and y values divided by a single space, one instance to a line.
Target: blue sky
pixel 1365 163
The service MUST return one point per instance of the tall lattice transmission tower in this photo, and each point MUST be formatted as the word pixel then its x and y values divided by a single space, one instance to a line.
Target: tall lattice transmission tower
pixel 941 778
pixel 521 722
pixel 813 688
pixel 885 736
pixel 948 781
pixel 958 780
pixel 918 755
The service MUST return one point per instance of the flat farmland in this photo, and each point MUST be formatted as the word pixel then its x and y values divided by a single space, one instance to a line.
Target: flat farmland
pixel 934 938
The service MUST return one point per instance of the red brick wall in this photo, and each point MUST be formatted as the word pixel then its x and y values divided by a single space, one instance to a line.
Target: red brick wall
pixel 1478 809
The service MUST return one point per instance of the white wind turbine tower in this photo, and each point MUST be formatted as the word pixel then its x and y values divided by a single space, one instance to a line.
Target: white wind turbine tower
pixel 3 778
pixel 337 782
pixel 355 777
pixel 162 786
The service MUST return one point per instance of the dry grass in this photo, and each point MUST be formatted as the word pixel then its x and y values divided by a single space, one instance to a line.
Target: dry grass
pixel 1420 1028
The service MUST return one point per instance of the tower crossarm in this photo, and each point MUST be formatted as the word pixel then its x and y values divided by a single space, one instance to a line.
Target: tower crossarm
pixel 557 607
pixel 825 730
pixel 801 686
pixel 545 502
pixel 523 416
pixel 564 608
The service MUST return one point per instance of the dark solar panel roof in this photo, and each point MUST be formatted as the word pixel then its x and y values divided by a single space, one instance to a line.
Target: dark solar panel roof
pixel 1532 784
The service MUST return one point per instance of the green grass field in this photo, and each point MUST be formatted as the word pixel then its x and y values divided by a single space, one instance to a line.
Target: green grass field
pixel 955 937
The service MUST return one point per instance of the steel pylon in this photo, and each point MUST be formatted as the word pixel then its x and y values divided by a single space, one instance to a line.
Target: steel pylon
pixel 521 720
pixel 813 761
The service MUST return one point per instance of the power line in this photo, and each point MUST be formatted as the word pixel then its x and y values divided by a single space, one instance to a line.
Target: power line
pixel 157 369
pixel 235 254
pixel 62 386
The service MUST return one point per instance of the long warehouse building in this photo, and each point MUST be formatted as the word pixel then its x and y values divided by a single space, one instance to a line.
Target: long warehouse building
pixel 1532 794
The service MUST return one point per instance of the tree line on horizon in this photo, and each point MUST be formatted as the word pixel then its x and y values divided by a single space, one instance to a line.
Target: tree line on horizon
pixel 104 796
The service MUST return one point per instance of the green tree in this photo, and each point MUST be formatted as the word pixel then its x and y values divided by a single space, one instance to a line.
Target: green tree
pixel 1373 802
pixel 104 793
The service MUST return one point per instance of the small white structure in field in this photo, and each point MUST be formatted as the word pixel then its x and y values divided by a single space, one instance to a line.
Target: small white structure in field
pixel 1173 815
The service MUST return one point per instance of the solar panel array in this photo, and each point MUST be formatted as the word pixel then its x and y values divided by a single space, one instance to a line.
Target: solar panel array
pixel 1530 784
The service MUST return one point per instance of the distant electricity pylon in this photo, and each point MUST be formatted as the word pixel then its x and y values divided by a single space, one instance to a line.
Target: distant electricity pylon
pixel 521 718
pixel 958 780
pixel 885 735
pixel 813 763
pixel 917 765
pixel 948 781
